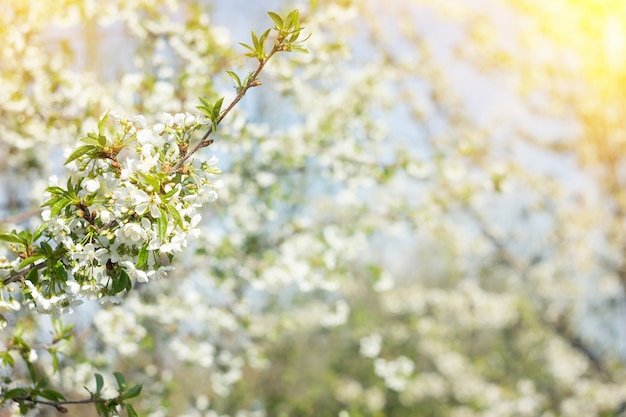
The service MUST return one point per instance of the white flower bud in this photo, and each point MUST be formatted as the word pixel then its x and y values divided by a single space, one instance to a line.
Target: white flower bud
pixel 91 185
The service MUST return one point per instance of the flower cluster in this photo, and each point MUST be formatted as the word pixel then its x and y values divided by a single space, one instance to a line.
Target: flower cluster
pixel 129 206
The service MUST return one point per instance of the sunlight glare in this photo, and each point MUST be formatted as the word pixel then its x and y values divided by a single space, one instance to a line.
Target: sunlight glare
pixel 614 42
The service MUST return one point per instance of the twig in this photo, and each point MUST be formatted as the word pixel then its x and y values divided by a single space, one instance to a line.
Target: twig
pixel 20 217
pixel 21 274
pixel 59 405
pixel 252 82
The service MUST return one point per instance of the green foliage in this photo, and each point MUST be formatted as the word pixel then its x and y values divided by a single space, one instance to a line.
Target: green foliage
pixel 289 31
pixel 110 407
pixel 211 110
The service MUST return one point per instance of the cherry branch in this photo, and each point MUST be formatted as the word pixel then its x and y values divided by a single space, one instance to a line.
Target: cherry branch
pixel 252 82
pixel 18 276
pixel 60 405
pixel 20 217
pixel 204 141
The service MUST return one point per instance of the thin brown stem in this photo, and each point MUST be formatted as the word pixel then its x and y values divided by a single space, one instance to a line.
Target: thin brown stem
pixel 252 82
pixel 60 405
pixel 20 217
pixel 18 276
pixel 68 402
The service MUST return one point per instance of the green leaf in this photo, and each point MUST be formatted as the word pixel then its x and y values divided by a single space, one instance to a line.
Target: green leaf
pixel 7 358
pixel 51 202
pixel 253 54
pixel 122 282
pixel 255 42
pixel 56 208
pixel 56 190
pixel 263 38
pixel 46 249
pixel 121 381
pixel 247 80
pixel 217 107
pixel 295 34
pixel 60 271
pixel 31 260
pixel 33 276
pixel 102 409
pixel 14 393
pixel 292 19
pixel 206 102
pixel 102 122
pixel 151 180
pixel 31 370
pixel 205 110
pixel 91 140
pixel 39 231
pixel 300 49
pixel 55 361
pixel 134 391
pixel 128 285
pixel 170 193
pixel 131 411
pixel 175 214
pixel 41 384
pixel 62 332
pixel 143 256
pixel 51 395
pixel 80 151
pixel 99 383
pixel 206 107
pixel 11 237
pixel 235 78
pixel 277 19
pixel 162 224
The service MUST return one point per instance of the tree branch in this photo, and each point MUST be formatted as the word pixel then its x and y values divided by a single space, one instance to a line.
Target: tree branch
pixel 20 217
pixel 18 276
pixel 252 82
pixel 59 405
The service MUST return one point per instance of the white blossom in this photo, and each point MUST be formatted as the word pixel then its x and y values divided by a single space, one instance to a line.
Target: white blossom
pixel 91 185
pixel 9 306
pixel 134 273
pixel 370 345
pixel 132 233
